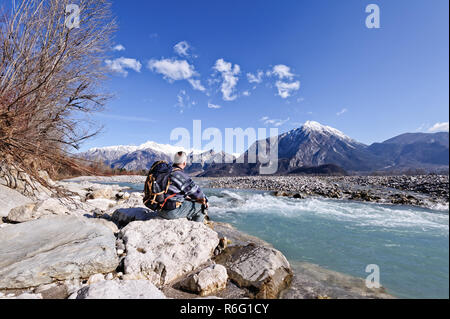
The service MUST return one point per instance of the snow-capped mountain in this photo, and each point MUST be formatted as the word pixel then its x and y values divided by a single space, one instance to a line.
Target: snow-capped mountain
pixel 316 145
pixel 311 145
pixel 141 157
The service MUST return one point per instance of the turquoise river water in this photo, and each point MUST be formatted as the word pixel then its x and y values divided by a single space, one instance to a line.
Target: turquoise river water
pixel 409 244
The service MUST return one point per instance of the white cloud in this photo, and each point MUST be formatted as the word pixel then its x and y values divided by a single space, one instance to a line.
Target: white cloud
pixel 176 70
pixel 246 93
pixel 182 48
pixel 119 47
pixel 255 78
pixel 282 71
pixel 285 89
pixel 213 106
pixel 229 77
pixel 172 70
pixel 197 85
pixel 344 110
pixel 121 64
pixel 275 122
pixel 439 127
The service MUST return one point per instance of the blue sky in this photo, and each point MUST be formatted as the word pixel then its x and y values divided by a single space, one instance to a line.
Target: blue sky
pixel 179 61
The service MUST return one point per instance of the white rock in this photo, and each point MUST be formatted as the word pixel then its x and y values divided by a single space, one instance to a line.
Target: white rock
pixel 59 248
pixel 109 276
pixel 96 278
pixel 209 280
pixel 23 296
pixel 129 289
pixel 10 199
pixel 107 223
pixel 46 208
pixel 45 287
pixel 163 250
pixel 263 269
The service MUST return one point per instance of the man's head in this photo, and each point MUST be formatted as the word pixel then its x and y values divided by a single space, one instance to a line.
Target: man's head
pixel 180 159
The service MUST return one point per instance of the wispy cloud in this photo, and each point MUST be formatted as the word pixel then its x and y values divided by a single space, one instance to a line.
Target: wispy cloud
pixel 284 74
pixel 184 101
pixel 275 122
pixel 182 48
pixel 255 78
pixel 214 106
pixel 439 127
pixel 344 110
pixel 246 93
pixel 282 71
pixel 176 70
pixel 285 89
pixel 197 85
pixel 119 47
pixel 230 78
pixel 121 64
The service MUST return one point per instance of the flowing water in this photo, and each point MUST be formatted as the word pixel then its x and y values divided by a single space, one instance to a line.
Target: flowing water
pixel 410 245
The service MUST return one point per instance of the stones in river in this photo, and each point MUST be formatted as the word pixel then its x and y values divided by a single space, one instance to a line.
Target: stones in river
pixel 58 248
pixel 164 250
pixel 126 289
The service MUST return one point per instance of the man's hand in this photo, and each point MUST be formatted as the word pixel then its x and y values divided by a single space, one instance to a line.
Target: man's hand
pixel 204 202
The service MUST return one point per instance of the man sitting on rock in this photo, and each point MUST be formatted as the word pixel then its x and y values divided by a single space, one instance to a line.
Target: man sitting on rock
pixel 190 200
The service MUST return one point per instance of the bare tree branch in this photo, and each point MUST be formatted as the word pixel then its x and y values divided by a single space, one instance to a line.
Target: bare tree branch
pixel 49 75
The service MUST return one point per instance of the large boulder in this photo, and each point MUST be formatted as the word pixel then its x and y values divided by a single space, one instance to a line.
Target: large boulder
pixel 31 211
pixel 163 250
pixel 126 289
pixel 59 248
pixel 262 270
pixel 10 199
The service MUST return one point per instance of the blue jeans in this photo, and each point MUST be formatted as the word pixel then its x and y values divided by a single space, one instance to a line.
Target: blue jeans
pixel 190 210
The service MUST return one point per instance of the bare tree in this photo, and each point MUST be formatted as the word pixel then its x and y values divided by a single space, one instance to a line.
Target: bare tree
pixel 50 79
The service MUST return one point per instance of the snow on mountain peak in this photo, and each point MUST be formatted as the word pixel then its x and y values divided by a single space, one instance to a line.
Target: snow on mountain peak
pixel 313 126
pixel 161 148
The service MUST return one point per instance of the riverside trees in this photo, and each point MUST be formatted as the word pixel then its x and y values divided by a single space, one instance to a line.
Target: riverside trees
pixel 50 79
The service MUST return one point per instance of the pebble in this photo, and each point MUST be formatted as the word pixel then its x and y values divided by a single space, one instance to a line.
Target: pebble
pixel 423 190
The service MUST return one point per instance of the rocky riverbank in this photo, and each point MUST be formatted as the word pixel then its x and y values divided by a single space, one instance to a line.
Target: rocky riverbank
pixel 431 191
pixel 102 243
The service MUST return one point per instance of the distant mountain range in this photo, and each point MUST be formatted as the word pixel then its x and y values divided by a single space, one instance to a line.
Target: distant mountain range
pixel 313 148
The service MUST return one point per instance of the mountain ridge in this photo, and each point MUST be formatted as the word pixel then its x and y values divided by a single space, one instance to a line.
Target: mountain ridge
pixel 311 145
